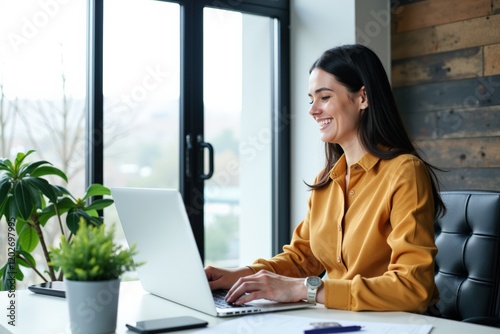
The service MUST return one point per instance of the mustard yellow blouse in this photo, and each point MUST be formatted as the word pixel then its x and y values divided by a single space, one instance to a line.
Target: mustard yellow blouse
pixel 375 239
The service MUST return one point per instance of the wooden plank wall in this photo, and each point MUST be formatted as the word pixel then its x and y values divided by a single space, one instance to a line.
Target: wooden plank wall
pixel 446 79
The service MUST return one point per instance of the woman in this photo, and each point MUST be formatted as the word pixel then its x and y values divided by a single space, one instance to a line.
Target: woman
pixel 371 211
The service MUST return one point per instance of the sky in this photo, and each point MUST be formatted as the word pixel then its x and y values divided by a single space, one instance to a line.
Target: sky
pixel 39 39
pixel 35 35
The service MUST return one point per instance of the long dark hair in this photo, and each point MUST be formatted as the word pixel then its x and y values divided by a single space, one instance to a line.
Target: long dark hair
pixel 381 128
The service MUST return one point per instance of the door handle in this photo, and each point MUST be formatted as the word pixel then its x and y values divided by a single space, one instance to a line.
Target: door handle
pixel 188 152
pixel 206 146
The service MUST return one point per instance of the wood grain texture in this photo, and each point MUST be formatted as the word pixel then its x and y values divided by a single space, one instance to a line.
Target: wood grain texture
pixel 457 94
pixel 453 36
pixel 492 59
pixel 479 152
pixel 453 123
pixel 496 7
pixel 446 81
pixel 470 179
pixel 432 13
pixel 466 63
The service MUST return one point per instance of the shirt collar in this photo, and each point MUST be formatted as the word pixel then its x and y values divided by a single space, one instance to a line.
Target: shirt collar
pixel 367 162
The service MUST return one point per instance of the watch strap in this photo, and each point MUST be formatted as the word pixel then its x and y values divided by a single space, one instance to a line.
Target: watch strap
pixel 311 295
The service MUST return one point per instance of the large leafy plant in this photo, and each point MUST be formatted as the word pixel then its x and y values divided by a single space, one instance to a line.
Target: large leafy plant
pixel 29 202
pixel 93 255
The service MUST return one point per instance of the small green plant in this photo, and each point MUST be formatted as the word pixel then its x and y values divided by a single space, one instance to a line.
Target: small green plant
pixel 28 202
pixel 93 255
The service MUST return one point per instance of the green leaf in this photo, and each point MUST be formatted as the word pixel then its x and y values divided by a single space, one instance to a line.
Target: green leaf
pixel 35 195
pixel 49 170
pixel 2 273
pixel 92 255
pixel 11 208
pixel 96 221
pixel 4 208
pixel 63 205
pixel 99 204
pixel 27 169
pixel 6 165
pixel 96 190
pixel 17 272
pixel 28 257
pixel 20 158
pixel 44 186
pixel 62 191
pixel 28 238
pixel 12 272
pixel 23 199
pixel 73 219
pixel 5 187
pixel 47 213
pixel 92 213
pixel 20 225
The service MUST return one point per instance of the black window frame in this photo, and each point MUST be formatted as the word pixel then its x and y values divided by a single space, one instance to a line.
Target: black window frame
pixel 191 107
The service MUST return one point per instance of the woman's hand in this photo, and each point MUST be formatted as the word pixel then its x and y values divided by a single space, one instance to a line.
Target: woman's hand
pixel 225 278
pixel 267 285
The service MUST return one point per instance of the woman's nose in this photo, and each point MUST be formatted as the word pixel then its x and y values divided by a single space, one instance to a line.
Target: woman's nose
pixel 314 109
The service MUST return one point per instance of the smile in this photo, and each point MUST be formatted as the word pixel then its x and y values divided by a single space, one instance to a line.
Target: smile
pixel 325 122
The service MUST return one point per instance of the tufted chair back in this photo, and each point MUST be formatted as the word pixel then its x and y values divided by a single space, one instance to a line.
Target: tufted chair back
pixel 468 260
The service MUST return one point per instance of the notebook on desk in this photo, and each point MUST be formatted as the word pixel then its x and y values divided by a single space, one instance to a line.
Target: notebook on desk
pixel 157 222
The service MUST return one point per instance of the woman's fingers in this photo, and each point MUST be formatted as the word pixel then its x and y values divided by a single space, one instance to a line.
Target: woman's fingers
pixel 267 285
pixel 219 278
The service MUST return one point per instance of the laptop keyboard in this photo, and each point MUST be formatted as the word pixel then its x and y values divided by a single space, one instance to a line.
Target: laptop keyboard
pixel 219 300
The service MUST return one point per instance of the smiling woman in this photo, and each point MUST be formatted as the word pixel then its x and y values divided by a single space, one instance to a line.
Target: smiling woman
pixel 335 108
pixel 371 211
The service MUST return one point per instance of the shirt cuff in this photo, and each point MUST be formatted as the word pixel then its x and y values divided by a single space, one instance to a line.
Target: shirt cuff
pixel 338 294
pixel 259 266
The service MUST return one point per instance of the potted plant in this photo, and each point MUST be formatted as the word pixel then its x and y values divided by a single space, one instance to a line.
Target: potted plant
pixel 28 202
pixel 93 265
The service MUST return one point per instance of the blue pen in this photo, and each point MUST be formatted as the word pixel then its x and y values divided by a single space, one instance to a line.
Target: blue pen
pixel 335 329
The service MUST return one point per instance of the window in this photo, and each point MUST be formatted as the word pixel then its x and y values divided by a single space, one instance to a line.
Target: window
pixel 166 93
pixel 223 195
pixel 141 51
pixel 238 108
pixel 42 91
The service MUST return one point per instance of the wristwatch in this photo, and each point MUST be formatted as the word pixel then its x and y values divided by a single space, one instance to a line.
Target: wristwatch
pixel 312 283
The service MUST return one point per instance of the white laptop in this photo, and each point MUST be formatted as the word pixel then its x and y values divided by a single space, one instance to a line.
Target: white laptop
pixel 157 222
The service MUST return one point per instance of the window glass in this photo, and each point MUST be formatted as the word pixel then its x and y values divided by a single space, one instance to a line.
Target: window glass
pixel 42 93
pixel 238 101
pixel 141 95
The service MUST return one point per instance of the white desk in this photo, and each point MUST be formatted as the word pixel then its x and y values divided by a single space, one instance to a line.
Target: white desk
pixel 49 315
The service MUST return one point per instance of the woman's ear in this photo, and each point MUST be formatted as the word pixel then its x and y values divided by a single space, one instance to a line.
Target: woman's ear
pixel 363 98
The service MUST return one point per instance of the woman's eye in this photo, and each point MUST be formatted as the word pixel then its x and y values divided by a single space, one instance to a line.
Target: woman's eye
pixel 311 102
pixel 324 98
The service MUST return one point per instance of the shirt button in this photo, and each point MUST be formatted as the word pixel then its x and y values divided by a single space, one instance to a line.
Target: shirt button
pixel 338 259
pixel 356 167
pixel 351 192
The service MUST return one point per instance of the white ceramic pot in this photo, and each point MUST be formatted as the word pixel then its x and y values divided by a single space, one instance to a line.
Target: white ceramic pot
pixel 93 306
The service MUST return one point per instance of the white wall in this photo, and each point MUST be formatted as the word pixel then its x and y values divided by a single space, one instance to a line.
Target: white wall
pixel 317 25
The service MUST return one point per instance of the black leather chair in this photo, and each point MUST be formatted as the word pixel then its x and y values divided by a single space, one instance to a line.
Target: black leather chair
pixel 468 260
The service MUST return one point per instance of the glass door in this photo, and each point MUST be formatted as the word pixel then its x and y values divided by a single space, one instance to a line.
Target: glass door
pixel 181 78
pixel 141 85
pixel 238 111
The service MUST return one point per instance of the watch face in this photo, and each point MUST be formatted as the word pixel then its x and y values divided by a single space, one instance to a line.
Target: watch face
pixel 314 281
